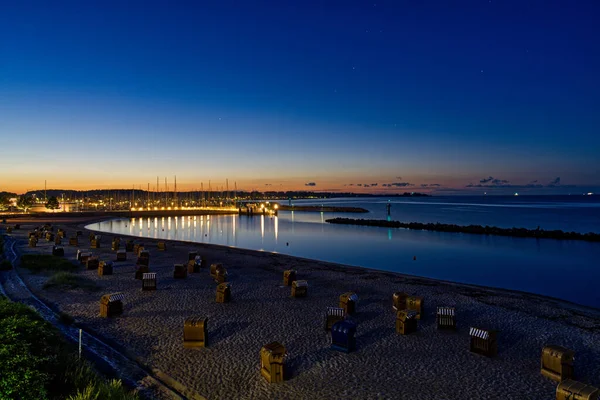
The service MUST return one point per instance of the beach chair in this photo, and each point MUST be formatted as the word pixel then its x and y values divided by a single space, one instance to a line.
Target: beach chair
pixel 179 271
pixel 272 359
pixel 73 241
pixel 557 362
pixel 61 233
pixel 129 246
pixel 333 315
pixel 115 245
pixel 149 281
pixel 213 269
pixel 162 246
pixel 84 257
pixel 445 318
pixel 33 241
pixel 406 322
pixel 348 302
pixel 57 240
pixel 105 268
pixel 221 274
pixel 289 276
pixel 95 242
pixel 483 341
pixel 299 289
pixel 192 255
pixel 223 293
pixel 92 237
pixel 49 236
pixel 9 229
pixel 58 251
pixel 136 248
pixel 92 263
pixel 111 305
pixel 79 253
pixel 195 332
pixel 140 270
pixel 403 301
pixel 573 390
pixel 142 252
pixel 121 255
pixel 195 265
pixel 342 336
pixel 143 257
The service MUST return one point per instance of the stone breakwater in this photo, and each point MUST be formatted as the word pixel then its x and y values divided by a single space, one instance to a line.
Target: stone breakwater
pixel 474 229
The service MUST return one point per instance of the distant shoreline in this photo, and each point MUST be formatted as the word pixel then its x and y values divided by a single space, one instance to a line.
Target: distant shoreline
pixel 474 229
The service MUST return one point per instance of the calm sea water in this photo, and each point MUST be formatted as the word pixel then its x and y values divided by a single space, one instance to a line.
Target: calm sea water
pixel 564 269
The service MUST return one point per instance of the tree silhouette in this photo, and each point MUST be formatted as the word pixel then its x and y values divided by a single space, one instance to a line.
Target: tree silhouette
pixel 52 203
pixel 25 202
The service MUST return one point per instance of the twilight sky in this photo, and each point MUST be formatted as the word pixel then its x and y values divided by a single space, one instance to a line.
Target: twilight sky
pixel 463 96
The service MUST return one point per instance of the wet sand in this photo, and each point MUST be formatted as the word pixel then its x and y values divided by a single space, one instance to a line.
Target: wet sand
pixel 428 364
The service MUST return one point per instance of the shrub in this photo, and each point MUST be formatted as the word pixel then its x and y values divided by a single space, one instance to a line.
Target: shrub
pixel 37 263
pixel 68 280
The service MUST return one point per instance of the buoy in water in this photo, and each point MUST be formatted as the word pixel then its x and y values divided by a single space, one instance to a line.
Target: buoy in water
pixel 414 258
pixel 287 243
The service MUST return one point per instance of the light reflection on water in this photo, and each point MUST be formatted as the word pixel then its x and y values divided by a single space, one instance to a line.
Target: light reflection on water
pixel 564 269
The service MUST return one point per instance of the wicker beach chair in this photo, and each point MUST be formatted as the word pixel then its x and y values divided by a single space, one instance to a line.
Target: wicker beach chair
pixel 342 336
pixel 105 268
pixel 406 322
pixel 483 341
pixel 121 255
pixel 299 288
pixel 348 302
pixel 573 390
pixel 223 293
pixel 333 315
pixel 445 318
pixel 92 263
pixel 179 271
pixel 403 301
pixel 149 281
pixel 195 332
pixel 111 305
pixel 272 359
pixel 289 276
pixel 557 362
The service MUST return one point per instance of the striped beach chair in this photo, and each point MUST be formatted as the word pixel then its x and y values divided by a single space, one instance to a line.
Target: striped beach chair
pixel 445 318
pixel 111 305
pixel 333 315
pixel 149 281
pixel 483 341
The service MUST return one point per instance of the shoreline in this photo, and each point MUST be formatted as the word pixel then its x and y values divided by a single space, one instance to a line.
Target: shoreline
pixel 262 311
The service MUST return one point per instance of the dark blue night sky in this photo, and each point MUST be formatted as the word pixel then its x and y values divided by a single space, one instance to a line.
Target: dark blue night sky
pixel 284 93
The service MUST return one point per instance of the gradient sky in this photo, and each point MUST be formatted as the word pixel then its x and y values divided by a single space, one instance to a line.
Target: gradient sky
pixel 277 95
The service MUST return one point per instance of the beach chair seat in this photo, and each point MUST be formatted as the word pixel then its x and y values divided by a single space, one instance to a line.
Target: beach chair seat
pixel 162 246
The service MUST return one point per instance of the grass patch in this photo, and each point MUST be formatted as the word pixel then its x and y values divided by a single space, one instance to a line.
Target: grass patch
pixel 38 363
pixel 68 280
pixel 37 263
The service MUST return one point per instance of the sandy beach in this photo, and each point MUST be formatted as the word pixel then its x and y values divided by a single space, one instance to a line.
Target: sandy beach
pixel 428 364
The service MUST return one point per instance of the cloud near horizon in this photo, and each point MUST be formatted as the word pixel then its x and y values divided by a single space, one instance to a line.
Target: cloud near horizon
pixel 492 182
pixel 397 184
pixel 310 184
